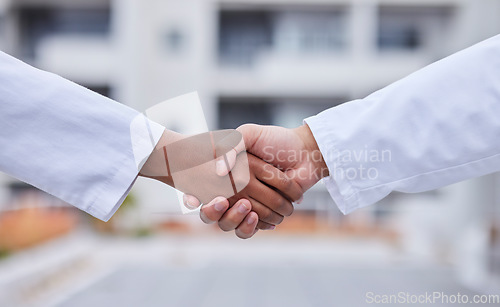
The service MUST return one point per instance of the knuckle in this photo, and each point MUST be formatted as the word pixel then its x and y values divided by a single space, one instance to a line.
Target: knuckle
pixel 280 204
pixel 267 168
pixel 268 172
pixel 285 182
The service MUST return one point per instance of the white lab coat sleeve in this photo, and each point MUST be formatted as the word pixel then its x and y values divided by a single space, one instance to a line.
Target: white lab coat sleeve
pixel 69 141
pixel 437 126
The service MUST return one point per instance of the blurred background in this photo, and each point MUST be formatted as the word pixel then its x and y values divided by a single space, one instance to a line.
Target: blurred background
pixel 267 62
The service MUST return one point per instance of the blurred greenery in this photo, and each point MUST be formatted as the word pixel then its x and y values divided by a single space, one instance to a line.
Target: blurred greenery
pixel 143 232
pixel 4 253
pixel 129 202
pixel 112 226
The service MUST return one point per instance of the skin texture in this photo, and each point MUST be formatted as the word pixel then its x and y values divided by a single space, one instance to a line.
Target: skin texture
pixel 265 193
pixel 292 150
pixel 188 165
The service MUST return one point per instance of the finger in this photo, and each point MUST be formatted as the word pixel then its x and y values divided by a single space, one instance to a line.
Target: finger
pixel 274 177
pixel 265 226
pixel 190 201
pixel 214 210
pixel 235 215
pixel 250 134
pixel 265 214
pixel 271 199
pixel 247 228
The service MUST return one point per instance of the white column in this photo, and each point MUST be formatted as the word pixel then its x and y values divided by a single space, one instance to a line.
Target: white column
pixel 363 40
pixel 125 33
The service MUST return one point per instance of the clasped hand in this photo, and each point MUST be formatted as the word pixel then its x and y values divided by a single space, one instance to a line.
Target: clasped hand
pixel 284 164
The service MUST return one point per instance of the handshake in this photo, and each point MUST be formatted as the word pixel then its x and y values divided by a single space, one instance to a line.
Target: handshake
pixel 247 179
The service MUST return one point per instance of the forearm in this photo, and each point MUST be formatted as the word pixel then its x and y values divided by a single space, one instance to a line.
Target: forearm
pixel 319 169
pixel 157 165
pixel 67 140
pixel 435 127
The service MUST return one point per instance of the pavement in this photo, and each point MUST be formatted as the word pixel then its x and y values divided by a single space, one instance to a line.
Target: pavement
pixel 269 270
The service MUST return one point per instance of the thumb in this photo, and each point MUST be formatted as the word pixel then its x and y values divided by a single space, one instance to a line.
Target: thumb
pixel 225 163
pixel 249 135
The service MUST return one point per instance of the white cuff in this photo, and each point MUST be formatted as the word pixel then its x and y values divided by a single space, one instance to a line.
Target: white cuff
pixel 144 135
pixel 340 189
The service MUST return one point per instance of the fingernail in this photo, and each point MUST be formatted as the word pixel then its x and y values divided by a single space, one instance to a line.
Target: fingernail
pixel 300 200
pixel 189 203
pixel 243 208
pixel 272 227
pixel 251 219
pixel 220 206
pixel 220 168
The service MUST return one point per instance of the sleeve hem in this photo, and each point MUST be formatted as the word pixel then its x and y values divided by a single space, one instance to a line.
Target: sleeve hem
pixel 114 193
pixel 118 187
pixel 338 186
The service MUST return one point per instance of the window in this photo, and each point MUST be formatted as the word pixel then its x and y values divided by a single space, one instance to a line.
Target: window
pixel 309 31
pixel 38 23
pixel 174 39
pixel 286 112
pixel 244 35
pixel 399 37
pixel 103 90
pixel 234 112
pixel 290 112
pixel 411 28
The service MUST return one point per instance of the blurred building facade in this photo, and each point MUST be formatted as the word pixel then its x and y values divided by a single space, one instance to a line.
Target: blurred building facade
pixel 274 62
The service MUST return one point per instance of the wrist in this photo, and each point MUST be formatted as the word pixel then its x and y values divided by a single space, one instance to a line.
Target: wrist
pixel 312 149
pixel 156 166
